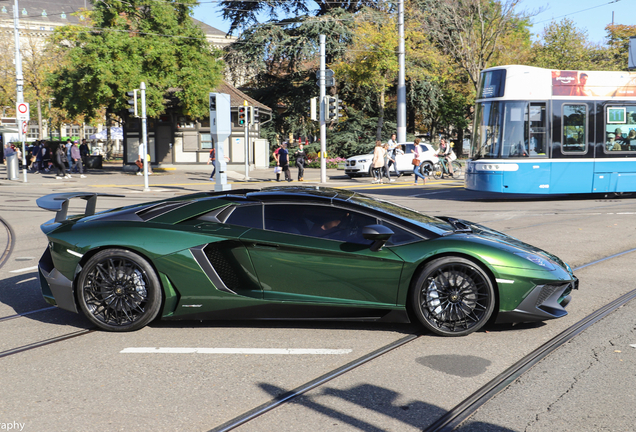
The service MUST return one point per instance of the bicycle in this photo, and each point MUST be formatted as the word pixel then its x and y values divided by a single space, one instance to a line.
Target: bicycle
pixel 440 168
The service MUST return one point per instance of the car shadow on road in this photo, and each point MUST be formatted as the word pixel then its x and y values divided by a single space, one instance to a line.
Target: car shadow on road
pixel 23 295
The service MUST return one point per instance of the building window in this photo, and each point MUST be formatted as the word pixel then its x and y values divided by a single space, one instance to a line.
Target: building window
pixel 34 132
pixel 75 131
pixel 88 131
pixel 55 134
pixel 206 141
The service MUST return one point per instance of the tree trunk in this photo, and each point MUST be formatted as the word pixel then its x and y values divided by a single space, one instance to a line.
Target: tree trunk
pixel 378 133
pixel 40 134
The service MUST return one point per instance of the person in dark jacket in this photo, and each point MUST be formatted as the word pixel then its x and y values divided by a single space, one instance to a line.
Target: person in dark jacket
pixel 60 160
pixel 301 158
pixel 85 152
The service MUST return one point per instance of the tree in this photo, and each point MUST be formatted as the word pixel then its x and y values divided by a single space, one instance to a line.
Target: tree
pixel 133 41
pixel 618 45
pixel 472 32
pixel 371 61
pixel 563 46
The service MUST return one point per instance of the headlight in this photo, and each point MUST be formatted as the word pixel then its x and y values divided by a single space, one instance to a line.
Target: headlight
pixel 542 262
pixel 362 160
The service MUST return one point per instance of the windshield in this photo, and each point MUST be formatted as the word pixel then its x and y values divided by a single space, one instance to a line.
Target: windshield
pixel 510 129
pixel 430 223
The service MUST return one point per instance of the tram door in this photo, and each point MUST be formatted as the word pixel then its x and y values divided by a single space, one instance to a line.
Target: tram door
pixel 573 140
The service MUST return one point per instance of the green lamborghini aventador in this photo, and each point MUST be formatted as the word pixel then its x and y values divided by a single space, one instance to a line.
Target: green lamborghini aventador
pixel 292 253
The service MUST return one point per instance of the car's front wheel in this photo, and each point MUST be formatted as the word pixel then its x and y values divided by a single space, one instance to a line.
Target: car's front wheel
pixel 452 296
pixel 118 290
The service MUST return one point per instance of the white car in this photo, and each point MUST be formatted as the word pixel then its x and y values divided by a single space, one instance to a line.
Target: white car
pixel 361 165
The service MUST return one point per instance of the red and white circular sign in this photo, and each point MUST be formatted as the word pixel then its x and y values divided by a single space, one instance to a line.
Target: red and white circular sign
pixel 23 108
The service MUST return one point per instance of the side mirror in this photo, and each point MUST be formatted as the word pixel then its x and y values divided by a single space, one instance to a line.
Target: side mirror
pixel 379 234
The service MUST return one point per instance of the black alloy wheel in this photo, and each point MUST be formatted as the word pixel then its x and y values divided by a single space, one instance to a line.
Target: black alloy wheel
pixel 426 168
pixel 119 290
pixel 452 296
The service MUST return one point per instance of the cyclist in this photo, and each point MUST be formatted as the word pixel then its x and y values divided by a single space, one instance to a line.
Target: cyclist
pixel 444 156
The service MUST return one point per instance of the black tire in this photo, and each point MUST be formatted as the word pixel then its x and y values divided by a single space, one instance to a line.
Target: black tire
pixel 119 291
pixel 452 296
pixel 426 168
pixel 458 172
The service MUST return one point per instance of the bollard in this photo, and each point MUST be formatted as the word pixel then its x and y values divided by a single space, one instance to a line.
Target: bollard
pixel 12 167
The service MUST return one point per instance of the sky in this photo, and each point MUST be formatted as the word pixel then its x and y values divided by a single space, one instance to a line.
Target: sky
pixel 590 15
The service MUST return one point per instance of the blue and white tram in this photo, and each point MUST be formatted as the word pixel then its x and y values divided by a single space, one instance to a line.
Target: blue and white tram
pixel 541 131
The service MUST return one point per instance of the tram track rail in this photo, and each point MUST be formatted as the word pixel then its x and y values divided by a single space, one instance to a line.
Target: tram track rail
pixel 468 406
pixel 8 249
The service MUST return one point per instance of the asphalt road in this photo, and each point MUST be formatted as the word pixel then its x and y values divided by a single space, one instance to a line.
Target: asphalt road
pixel 87 383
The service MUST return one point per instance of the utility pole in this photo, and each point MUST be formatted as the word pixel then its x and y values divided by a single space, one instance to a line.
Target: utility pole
pixel 144 134
pixel 19 81
pixel 323 123
pixel 401 90
pixel 246 135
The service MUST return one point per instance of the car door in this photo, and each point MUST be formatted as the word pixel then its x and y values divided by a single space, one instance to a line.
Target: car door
pixel 303 255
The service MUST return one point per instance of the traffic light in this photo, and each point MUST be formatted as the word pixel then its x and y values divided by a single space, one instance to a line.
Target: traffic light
pixel 332 109
pixel 338 108
pixel 132 102
pixel 254 115
pixel 242 115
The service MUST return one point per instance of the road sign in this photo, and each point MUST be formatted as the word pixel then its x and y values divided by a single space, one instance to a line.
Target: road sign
pixel 329 82
pixel 22 111
pixel 25 127
pixel 328 73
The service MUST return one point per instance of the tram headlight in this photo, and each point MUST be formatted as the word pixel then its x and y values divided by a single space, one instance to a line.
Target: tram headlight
pixel 536 259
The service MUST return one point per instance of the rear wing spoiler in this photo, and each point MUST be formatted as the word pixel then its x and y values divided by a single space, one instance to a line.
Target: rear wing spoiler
pixel 58 202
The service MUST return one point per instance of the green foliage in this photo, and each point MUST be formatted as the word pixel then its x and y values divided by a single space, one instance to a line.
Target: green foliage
pixel 563 46
pixel 137 41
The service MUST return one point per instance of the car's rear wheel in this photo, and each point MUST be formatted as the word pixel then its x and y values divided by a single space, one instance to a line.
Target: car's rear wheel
pixel 426 168
pixel 118 290
pixel 452 296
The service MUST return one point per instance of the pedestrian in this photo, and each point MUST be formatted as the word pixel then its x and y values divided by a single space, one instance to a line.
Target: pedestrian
pixel 60 161
pixel 36 157
pixel 69 144
pixel 417 152
pixel 283 160
pixel 301 157
pixel 212 159
pixel 76 159
pixel 84 153
pixel 378 162
pixel 47 157
pixel 277 168
pixel 394 149
pixel 387 160
pixel 140 160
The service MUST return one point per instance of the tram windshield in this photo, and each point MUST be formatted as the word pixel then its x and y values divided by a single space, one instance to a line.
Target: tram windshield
pixel 509 129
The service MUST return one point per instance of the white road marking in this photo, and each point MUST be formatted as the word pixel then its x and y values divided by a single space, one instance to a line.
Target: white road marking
pixel 633 345
pixel 27 280
pixel 22 270
pixel 267 351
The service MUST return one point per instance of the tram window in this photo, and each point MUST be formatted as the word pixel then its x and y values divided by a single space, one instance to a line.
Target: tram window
pixel 620 130
pixel 514 139
pixel 574 139
pixel 537 130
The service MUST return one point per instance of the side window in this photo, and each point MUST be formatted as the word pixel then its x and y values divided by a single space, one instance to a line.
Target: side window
pixel 325 222
pixel 574 135
pixel 620 128
pixel 247 216
pixel 400 236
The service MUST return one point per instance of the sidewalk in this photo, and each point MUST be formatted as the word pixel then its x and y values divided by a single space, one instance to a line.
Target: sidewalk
pixel 114 174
